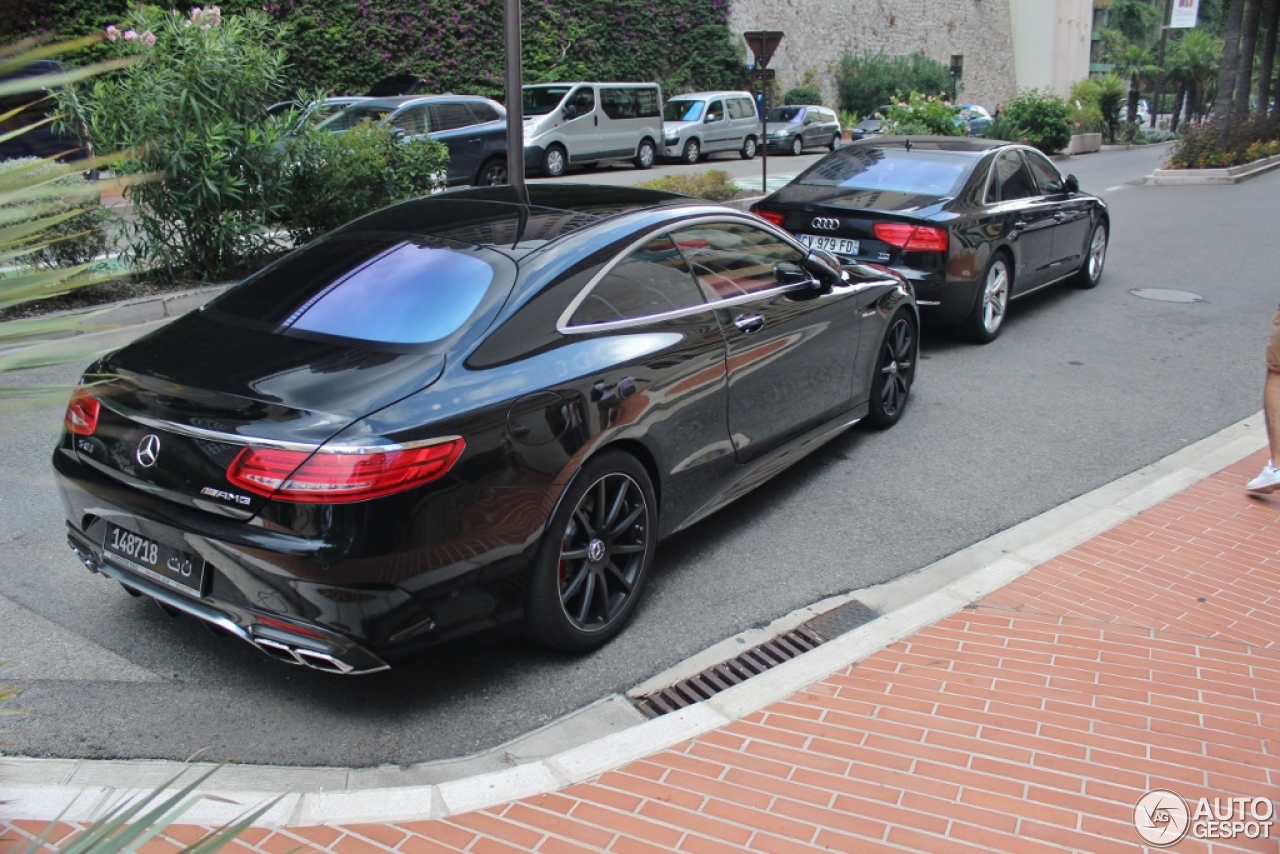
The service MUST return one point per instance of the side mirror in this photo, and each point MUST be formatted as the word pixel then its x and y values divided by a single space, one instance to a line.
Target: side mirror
pixel 570 111
pixel 791 273
pixel 824 266
pixel 1072 184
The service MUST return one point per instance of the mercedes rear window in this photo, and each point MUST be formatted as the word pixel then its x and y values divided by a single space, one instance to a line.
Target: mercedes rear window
pixel 894 170
pixel 382 289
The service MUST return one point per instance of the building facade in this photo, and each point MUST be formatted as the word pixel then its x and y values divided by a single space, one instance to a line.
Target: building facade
pixel 1000 46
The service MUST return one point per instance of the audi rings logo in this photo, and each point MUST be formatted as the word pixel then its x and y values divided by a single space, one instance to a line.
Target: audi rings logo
pixel 148 451
pixel 826 223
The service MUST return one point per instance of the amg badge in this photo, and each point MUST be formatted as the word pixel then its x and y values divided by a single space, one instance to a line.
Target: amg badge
pixel 224 495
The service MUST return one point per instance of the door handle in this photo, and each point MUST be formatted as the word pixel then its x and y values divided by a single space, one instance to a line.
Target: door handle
pixel 1019 225
pixel 749 323
pixel 595 120
pixel 473 141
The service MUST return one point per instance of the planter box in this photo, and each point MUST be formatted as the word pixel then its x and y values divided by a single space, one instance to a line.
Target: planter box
pixel 1083 143
pixel 1230 175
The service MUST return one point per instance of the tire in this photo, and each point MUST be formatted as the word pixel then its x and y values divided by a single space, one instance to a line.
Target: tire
pixel 797 146
pixel 835 141
pixel 987 318
pixel 584 587
pixel 554 161
pixel 493 173
pixel 894 370
pixel 748 151
pixel 1095 257
pixel 692 152
pixel 646 154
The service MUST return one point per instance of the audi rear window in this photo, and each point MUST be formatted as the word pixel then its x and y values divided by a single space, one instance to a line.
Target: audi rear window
pixel 895 170
pixel 381 289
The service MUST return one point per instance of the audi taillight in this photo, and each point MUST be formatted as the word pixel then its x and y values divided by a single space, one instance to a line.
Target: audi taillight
pixel 775 217
pixel 912 238
pixel 82 413
pixel 334 476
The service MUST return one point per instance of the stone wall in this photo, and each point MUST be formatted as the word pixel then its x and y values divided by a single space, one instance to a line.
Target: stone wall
pixel 819 32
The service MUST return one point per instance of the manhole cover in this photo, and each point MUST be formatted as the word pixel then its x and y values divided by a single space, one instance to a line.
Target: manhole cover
pixel 1166 295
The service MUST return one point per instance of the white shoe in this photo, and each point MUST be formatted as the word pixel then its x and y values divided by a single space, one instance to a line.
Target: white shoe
pixel 1267 482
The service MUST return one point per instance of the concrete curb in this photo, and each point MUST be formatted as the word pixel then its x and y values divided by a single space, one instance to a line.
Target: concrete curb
pixel 81 790
pixel 1199 177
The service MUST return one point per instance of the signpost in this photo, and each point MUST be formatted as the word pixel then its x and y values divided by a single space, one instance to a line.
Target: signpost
pixel 763 43
pixel 515 103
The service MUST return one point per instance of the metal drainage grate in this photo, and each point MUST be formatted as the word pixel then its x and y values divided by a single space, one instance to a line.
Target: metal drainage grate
pixel 717 678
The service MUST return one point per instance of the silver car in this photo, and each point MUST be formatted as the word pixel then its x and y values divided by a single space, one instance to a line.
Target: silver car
pixel 703 123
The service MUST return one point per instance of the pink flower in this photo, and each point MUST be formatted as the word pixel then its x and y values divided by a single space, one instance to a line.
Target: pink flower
pixel 112 33
pixel 130 35
pixel 149 38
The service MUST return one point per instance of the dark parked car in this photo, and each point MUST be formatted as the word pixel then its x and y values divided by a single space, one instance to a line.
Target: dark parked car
pixel 474 129
pixel 972 223
pixel 398 84
pixel 28 109
pixel 794 128
pixel 317 112
pixel 460 413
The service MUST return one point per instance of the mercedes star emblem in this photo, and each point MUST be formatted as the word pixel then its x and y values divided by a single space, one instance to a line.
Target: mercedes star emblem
pixel 148 450
pixel 826 223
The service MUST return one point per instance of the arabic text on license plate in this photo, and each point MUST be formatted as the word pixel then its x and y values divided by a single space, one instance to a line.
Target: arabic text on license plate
pixel 838 245
pixel 154 561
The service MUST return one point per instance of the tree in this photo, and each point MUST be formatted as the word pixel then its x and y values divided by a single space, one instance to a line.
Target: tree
pixel 1227 72
pixel 1137 65
pixel 1110 97
pixel 1249 43
pixel 1193 66
pixel 1137 20
pixel 1267 65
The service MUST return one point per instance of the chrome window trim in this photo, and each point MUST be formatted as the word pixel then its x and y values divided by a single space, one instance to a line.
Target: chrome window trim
pixel 564 327
pixel 261 442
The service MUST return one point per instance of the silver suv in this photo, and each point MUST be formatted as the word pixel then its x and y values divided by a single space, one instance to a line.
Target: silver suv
pixel 703 123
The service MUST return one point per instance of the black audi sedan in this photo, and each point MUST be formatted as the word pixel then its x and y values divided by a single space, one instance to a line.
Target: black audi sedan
pixel 464 413
pixel 971 223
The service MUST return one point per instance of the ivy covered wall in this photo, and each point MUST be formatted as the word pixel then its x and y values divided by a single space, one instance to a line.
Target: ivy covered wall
pixel 345 45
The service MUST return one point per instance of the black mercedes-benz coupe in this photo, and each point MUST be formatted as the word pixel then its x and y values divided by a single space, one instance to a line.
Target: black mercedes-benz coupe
pixel 971 223
pixel 462 413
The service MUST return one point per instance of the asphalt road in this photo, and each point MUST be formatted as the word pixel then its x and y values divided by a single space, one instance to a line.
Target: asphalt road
pixel 1082 388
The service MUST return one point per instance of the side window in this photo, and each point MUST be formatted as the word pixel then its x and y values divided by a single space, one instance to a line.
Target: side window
pixel 412 121
pixel 651 280
pixel 647 103
pixel 736 110
pixel 715 111
pixel 482 112
pixel 583 100
pixel 1010 179
pixel 450 116
pixel 1047 175
pixel 618 103
pixel 733 259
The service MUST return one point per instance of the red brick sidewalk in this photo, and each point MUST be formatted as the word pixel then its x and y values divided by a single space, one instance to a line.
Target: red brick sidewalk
pixel 1149 657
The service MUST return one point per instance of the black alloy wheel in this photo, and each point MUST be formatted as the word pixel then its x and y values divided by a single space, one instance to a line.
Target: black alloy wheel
pixel 692 153
pixel 492 173
pixel 646 154
pixel 554 161
pixel 1095 257
pixel 797 146
pixel 595 557
pixel 748 151
pixel 895 369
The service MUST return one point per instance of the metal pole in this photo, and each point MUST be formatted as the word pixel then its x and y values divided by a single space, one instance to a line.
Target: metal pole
pixel 515 103
pixel 1164 38
pixel 764 137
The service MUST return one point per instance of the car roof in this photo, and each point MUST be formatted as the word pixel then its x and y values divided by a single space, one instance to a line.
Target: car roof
pixel 492 217
pixel 799 107
pixel 688 96
pixel 398 101
pixel 977 146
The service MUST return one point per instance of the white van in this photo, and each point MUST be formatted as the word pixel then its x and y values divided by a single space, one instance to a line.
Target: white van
pixel 585 123
pixel 703 123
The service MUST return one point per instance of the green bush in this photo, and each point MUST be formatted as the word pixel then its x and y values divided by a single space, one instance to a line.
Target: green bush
pixel 67 243
pixel 334 178
pixel 1199 146
pixel 1042 119
pixel 714 185
pixel 926 115
pixel 866 82
pixel 191 114
pixel 804 95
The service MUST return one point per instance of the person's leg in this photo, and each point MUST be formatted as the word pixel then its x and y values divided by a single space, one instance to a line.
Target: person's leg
pixel 1269 480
